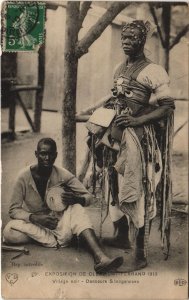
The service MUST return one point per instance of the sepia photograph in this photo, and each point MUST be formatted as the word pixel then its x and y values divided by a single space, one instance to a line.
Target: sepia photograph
pixel 94 150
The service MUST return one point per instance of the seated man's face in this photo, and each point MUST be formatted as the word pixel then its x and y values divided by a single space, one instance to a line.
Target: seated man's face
pixel 46 155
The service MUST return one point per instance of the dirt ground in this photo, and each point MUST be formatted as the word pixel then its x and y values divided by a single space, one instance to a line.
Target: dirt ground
pixel 20 153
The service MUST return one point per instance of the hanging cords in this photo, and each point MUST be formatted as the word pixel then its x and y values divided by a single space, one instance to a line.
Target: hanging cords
pixel 93 165
pixel 167 187
pixel 147 193
pixel 103 186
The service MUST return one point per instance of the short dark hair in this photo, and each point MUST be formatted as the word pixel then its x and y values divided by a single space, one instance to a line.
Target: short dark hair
pixel 47 141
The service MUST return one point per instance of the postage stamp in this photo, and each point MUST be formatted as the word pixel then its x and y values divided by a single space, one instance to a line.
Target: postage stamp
pixel 23 25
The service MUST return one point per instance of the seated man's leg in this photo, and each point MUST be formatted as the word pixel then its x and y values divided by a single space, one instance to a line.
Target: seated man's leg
pixel 14 236
pixel 80 225
pixel 18 231
pixel 79 219
pixel 73 222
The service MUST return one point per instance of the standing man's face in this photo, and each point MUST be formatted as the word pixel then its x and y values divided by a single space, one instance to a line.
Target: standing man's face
pixel 46 155
pixel 131 41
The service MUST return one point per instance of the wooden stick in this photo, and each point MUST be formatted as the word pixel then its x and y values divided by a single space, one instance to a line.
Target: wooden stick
pixel 89 110
pixel 82 118
pixel 179 210
pixel 15 248
pixel 180 127
pixel 180 202
pixel 20 88
pixel 25 111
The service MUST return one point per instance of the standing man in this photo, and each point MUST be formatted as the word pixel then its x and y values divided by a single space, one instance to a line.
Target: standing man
pixel 32 218
pixel 139 163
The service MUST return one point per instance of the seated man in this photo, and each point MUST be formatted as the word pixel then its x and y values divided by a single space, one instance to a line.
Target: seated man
pixel 34 220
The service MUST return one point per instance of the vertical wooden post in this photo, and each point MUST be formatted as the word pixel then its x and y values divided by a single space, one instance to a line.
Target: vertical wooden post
pixel 12 112
pixel 41 81
pixel 39 93
pixel 166 25
pixel 70 84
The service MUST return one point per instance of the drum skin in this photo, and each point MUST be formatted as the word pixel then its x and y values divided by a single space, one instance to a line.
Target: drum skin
pixel 54 199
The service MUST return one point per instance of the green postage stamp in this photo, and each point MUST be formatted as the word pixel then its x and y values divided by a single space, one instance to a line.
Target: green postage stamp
pixel 23 25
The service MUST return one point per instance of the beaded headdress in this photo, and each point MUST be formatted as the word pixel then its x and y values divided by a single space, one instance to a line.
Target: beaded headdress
pixel 140 25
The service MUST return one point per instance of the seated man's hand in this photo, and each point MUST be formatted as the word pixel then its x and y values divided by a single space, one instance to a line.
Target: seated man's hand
pixel 69 198
pixel 44 220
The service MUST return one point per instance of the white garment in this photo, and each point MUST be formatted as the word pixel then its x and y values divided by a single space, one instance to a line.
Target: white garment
pixel 156 78
pixel 73 221
pixel 129 168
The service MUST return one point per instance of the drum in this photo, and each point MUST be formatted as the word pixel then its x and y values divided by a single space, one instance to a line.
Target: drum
pixel 54 198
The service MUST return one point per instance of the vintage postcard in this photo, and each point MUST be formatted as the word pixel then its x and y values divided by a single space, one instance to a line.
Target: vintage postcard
pixel 94 135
